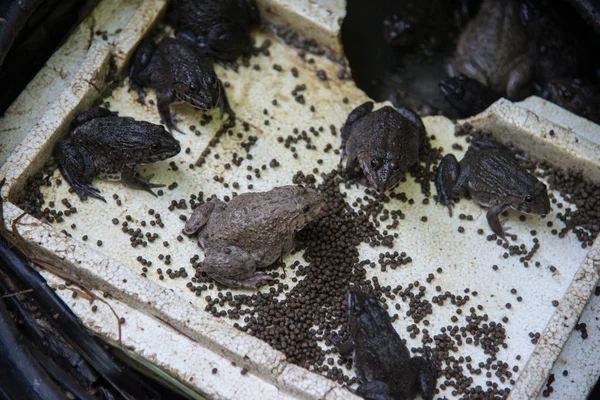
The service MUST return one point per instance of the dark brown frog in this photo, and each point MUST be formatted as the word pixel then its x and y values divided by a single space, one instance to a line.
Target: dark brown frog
pixel 220 27
pixel 381 360
pixel 111 147
pixel 178 72
pixel 493 177
pixel 381 145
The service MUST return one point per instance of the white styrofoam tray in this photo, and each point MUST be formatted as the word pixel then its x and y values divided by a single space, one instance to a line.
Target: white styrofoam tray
pixel 113 267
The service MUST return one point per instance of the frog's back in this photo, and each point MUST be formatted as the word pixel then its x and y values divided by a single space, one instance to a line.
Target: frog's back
pixel 496 174
pixel 255 220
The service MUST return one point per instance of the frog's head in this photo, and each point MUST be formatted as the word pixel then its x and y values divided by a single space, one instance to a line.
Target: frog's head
pixel 365 314
pixel 382 170
pixel 149 143
pixel 534 200
pixel 308 204
pixel 198 86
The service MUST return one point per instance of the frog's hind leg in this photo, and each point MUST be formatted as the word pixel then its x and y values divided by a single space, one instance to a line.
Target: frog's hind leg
pixel 87 116
pixel 138 76
pixel 233 267
pixel 77 167
pixel 131 178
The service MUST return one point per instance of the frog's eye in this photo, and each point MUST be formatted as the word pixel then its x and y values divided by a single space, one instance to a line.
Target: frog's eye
pixel 193 87
pixel 211 80
pixel 375 163
pixel 396 167
pixel 154 147
pixel 306 209
pixel 528 199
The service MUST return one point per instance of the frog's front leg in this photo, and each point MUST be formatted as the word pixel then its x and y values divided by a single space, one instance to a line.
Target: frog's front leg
pixel 447 182
pixel 199 217
pixel 375 390
pixel 426 378
pixel 77 167
pixel 138 75
pixel 223 102
pixel 164 100
pixel 493 218
pixel 131 178
pixel 233 267
pixel 345 349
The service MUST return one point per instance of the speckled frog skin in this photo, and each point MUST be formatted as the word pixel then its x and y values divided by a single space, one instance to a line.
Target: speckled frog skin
pixel 491 174
pixel 493 49
pixel 381 360
pixel 381 145
pixel 111 147
pixel 178 72
pixel 220 27
pixel 252 231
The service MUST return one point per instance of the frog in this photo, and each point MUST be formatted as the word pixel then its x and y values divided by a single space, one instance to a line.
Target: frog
pixel 493 177
pixel 178 72
pixel 220 27
pixel 380 359
pixel 102 144
pixel 493 50
pixel 556 41
pixel 381 145
pixel 251 231
pixel 467 96
pixel 576 95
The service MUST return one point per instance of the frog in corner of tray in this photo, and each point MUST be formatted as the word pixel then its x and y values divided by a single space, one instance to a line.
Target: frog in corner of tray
pixel 381 145
pixel 493 177
pixel 381 360
pixel 101 144
pixel 178 71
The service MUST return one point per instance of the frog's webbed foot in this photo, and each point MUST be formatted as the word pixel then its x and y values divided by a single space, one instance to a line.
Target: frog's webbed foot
pixel 76 166
pixel 133 179
pixel 465 65
pixel 375 390
pixel 426 376
pixel 446 180
pixel 493 218
pixel 519 79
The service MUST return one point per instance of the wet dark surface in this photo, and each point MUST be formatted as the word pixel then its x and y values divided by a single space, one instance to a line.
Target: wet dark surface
pixel 561 45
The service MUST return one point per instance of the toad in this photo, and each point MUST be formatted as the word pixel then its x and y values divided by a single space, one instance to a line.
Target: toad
pixel 111 147
pixel 252 231
pixel 493 50
pixel 381 360
pixel 220 27
pixel 381 145
pixel 493 177
pixel 178 72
